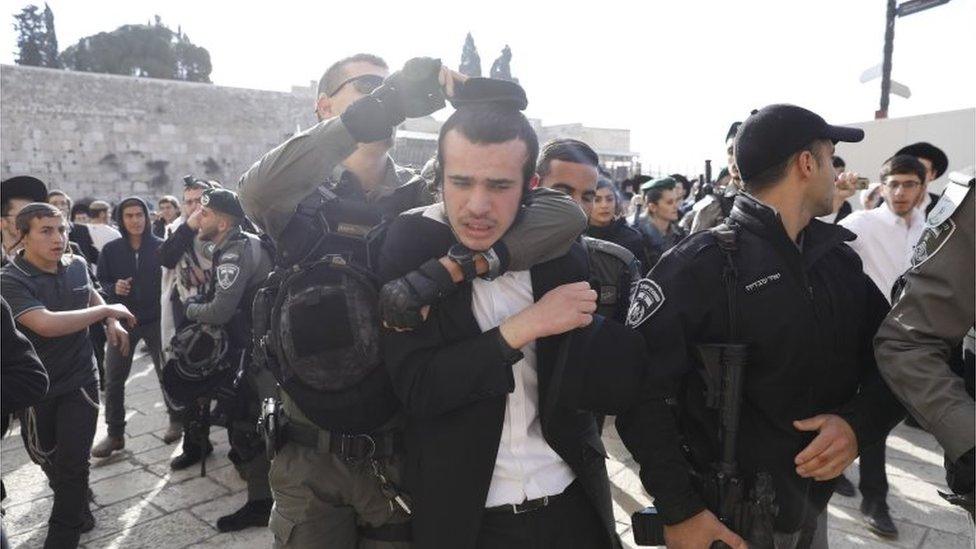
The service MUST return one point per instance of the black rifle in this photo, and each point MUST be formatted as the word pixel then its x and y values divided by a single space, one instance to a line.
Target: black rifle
pixel 746 510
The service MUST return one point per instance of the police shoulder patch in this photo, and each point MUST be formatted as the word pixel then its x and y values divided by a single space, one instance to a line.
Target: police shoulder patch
pixel 227 275
pixel 646 299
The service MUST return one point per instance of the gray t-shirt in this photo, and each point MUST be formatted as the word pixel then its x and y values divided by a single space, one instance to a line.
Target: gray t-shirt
pixel 69 360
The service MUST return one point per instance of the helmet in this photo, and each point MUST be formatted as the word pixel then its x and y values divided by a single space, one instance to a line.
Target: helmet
pixel 200 350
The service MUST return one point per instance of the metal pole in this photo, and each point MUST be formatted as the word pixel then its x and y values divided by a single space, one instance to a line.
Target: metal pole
pixel 889 45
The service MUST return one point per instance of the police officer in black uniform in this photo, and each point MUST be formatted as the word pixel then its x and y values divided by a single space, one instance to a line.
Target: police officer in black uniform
pixel 790 290
pixel 241 263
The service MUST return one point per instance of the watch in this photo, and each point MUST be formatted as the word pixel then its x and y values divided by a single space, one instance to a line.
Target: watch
pixel 464 257
pixel 494 264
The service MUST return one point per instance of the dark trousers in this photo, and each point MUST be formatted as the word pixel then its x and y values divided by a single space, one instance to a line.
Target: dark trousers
pixel 58 435
pixel 117 368
pixel 874 480
pixel 569 522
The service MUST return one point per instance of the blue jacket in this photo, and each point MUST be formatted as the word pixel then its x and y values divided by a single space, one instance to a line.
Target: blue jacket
pixel 118 261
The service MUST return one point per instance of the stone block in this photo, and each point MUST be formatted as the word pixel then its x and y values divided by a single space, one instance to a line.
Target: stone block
pixel 27 516
pixel 251 538
pixel 121 516
pixel 125 486
pixel 173 530
pixel 14 459
pixel 179 495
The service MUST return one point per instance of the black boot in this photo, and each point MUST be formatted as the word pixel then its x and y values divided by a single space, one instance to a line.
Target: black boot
pixel 878 519
pixel 189 457
pixel 844 486
pixel 87 521
pixel 254 513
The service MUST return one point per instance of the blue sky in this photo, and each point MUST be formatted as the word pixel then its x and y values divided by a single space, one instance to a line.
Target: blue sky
pixel 675 73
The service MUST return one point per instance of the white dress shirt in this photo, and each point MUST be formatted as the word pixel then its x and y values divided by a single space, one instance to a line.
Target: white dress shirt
pixel 526 466
pixel 102 234
pixel 885 242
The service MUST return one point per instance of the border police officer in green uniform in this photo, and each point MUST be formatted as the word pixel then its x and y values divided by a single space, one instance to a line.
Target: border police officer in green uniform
pixel 240 265
pixel 932 316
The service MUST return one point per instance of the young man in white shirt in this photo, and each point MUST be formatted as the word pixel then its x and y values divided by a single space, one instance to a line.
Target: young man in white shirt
pixel 886 236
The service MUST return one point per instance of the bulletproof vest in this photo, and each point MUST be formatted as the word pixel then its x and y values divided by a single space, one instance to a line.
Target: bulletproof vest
pixel 613 274
pixel 239 327
pixel 316 321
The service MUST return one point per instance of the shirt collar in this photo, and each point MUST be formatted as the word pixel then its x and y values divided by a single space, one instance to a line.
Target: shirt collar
pixel 393 178
pixel 890 216
pixel 29 269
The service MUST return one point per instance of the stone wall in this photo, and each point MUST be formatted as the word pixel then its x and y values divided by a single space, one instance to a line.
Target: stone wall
pixel 106 136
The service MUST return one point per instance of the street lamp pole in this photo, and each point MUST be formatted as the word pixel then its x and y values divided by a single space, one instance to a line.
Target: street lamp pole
pixel 889 46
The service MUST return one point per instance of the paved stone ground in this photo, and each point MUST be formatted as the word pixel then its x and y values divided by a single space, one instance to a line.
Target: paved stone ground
pixel 140 503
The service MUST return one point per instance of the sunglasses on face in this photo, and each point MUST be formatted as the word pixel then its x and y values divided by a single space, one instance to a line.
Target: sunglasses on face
pixel 364 84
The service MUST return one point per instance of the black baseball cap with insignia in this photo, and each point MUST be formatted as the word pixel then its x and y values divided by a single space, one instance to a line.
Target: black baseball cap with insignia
pixel 222 200
pixel 770 135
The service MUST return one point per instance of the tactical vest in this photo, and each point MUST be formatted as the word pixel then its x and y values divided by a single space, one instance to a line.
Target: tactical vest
pixel 316 321
pixel 614 272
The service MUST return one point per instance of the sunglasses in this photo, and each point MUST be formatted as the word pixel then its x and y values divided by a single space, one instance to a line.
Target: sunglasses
pixel 364 84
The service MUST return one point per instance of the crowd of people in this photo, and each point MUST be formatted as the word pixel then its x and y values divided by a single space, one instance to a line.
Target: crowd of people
pixel 427 358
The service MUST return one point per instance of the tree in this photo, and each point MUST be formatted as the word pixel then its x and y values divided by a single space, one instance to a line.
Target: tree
pixel 470 60
pixel 152 50
pixel 36 38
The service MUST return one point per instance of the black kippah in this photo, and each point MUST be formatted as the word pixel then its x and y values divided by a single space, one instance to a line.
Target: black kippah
pixel 478 91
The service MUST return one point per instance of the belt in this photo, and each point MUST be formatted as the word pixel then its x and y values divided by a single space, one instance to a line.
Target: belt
pixel 530 505
pixel 348 446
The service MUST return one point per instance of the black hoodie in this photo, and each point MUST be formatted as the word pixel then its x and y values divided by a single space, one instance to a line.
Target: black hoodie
pixel 119 261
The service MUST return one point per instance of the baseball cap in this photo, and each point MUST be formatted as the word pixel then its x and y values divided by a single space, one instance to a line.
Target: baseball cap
pixel 771 134
pixel 223 201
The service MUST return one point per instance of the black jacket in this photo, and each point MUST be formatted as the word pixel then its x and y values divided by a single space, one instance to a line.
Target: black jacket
pixel 809 318
pixel 453 381
pixel 118 261
pixel 24 377
pixel 619 232
pixel 80 235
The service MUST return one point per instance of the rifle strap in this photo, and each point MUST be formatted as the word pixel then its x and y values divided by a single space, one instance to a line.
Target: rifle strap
pixel 725 235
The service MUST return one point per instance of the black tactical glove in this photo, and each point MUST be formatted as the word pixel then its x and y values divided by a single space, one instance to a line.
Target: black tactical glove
pixel 402 299
pixel 961 478
pixel 412 92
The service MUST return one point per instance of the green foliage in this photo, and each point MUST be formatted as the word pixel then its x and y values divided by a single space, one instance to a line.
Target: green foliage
pixel 152 50
pixel 37 41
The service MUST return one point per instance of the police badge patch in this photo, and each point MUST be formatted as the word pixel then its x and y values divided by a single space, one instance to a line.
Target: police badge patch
pixel 647 298
pixel 227 275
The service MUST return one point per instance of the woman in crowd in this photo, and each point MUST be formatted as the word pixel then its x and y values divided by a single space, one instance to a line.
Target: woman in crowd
pixel 659 225
pixel 607 223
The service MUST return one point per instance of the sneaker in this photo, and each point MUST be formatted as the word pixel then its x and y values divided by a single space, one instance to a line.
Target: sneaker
pixel 252 514
pixel 108 445
pixel 878 519
pixel 844 487
pixel 186 459
pixel 173 433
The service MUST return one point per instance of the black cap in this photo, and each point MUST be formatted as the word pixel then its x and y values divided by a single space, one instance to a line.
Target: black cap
pixel 476 91
pixel 222 200
pixel 23 186
pixel 771 134
pixel 928 151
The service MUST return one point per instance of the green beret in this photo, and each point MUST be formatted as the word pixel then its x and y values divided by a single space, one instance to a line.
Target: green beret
pixel 222 200
pixel 663 183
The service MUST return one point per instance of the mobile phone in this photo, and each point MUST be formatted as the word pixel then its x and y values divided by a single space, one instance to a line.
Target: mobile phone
pixel 861 183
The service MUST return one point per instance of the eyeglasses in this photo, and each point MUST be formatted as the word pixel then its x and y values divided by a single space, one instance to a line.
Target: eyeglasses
pixel 364 84
pixel 907 185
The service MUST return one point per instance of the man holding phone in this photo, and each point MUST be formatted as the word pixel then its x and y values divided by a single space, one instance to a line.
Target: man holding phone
pixel 129 270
